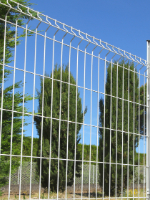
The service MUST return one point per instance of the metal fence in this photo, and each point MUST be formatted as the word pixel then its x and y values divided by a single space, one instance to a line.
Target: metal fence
pixel 61 89
pixel 26 174
pixel 15 177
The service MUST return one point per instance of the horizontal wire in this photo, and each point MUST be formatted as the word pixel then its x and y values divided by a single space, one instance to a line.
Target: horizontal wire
pixel 70 83
pixel 64 159
pixel 107 46
pixel 101 198
pixel 79 86
pixel 68 44
pixel 63 120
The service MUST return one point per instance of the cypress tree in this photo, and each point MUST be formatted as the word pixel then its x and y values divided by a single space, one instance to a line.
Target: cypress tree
pixel 118 109
pixel 73 136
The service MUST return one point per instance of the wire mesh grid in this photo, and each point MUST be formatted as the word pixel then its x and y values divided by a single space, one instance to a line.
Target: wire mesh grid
pixel 73 112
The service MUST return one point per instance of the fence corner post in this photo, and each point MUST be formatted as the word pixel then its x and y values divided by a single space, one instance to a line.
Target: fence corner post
pixel 147 123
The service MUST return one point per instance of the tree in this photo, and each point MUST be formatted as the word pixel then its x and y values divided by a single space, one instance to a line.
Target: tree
pixel 87 152
pixel 6 131
pixel 104 142
pixel 55 129
pixel 27 140
pixel 7 92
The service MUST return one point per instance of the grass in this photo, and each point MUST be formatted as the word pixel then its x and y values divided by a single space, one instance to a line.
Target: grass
pixel 44 195
pixel 135 193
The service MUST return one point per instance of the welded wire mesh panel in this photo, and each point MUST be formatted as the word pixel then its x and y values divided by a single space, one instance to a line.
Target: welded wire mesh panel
pixel 72 112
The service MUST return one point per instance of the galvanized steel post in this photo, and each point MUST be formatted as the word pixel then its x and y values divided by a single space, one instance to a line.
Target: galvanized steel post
pixel 148 117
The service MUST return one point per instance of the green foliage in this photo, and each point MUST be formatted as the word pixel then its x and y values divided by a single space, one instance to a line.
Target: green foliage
pixel 55 129
pixel 87 153
pixel 8 95
pixel 27 147
pixel 7 129
pixel 120 110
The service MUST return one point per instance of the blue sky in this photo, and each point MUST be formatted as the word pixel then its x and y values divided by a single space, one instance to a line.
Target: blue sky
pixel 124 24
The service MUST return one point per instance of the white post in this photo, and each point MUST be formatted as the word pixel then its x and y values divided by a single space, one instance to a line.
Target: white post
pixel 147 121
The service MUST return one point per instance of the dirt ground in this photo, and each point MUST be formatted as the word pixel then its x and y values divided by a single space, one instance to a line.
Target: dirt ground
pixel 44 195
pixel 70 195
pixel 25 189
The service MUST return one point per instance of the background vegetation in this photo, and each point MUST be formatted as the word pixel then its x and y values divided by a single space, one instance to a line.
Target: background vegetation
pixel 116 121
pixel 7 116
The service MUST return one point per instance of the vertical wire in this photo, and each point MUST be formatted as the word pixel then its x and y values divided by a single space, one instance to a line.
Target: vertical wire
pixel 90 124
pixel 122 128
pixel 42 114
pixel 133 127
pixel 128 133
pixel 76 118
pixel 104 127
pixel 110 131
pixel 68 119
pixel 93 174
pixel 116 183
pixel 51 117
pixel 25 58
pixel 12 108
pixel 33 108
pixel 97 123
pixel 83 123
pixel 18 176
pixel 59 119
pixel 139 139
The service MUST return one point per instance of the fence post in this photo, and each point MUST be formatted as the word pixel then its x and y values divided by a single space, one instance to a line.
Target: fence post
pixel 147 123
